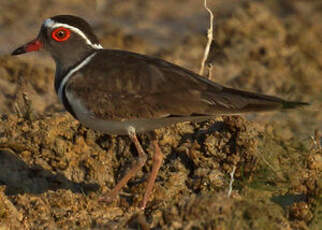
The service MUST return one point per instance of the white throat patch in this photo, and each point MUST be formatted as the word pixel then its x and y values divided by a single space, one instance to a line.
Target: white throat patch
pixel 49 23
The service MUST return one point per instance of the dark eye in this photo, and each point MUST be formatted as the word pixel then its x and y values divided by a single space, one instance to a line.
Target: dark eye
pixel 60 34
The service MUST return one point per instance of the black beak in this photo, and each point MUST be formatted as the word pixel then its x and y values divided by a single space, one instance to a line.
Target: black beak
pixel 34 45
pixel 20 50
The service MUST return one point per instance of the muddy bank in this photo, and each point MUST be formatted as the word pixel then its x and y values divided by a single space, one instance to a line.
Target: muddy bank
pixel 53 170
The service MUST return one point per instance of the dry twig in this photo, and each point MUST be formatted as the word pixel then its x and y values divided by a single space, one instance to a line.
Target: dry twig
pixel 231 181
pixel 210 38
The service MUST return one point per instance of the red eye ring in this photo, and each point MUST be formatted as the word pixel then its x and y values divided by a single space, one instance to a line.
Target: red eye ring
pixel 60 34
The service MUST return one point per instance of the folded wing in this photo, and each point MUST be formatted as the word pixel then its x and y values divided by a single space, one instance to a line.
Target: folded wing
pixel 126 86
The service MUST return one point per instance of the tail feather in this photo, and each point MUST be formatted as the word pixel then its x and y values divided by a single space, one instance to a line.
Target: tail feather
pixel 255 102
pixel 293 104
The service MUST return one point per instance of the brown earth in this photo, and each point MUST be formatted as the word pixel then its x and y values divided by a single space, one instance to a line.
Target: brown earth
pixel 53 170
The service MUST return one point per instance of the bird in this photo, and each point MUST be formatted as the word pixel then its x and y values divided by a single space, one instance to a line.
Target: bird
pixel 120 92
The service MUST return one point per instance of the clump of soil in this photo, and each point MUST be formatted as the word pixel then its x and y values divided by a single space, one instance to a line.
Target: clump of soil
pixel 54 161
pixel 21 81
pixel 53 170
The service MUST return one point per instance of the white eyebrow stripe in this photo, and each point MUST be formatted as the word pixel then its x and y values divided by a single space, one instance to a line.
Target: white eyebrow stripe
pixel 49 23
pixel 70 73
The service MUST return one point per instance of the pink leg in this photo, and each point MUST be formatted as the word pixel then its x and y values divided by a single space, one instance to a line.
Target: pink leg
pixel 156 164
pixel 132 172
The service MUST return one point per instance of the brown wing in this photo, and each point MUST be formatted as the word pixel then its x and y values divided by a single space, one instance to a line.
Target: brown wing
pixel 121 85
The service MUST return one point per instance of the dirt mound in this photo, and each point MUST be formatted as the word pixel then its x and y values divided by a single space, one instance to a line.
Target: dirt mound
pixel 53 170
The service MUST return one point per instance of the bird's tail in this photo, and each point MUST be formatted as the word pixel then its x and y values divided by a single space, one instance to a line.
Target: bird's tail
pixel 245 101
pixel 293 104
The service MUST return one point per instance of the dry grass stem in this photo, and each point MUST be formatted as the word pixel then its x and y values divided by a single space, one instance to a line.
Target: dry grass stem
pixel 210 38
pixel 231 181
